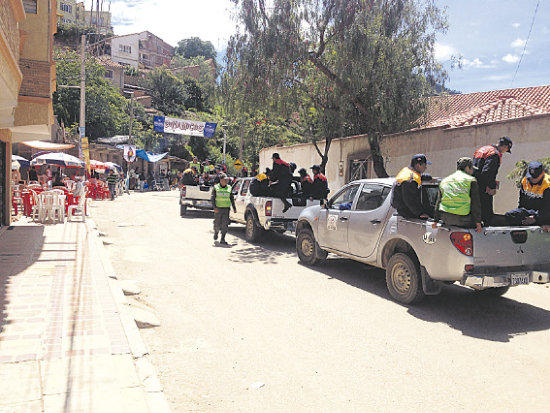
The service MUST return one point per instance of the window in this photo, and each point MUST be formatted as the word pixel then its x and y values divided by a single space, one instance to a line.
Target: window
pixel 245 186
pixel 66 7
pixel 236 187
pixel 344 199
pixel 67 21
pixel 124 49
pixel 359 169
pixel 371 197
pixel 30 6
pixel 109 74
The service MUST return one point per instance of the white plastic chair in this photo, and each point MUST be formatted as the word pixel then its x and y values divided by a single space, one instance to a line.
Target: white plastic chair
pixel 79 209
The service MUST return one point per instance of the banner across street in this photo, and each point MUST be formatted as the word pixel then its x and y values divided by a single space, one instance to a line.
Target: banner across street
pixel 184 127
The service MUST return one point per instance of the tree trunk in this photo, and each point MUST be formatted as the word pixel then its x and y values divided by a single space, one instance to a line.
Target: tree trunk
pixel 377 158
pixel 324 156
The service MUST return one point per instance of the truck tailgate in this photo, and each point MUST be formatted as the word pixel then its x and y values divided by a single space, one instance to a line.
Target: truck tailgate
pixel 526 247
pixel 292 213
pixel 197 192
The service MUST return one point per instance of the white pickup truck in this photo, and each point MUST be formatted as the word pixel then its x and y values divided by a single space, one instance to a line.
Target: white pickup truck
pixel 196 196
pixel 260 213
pixel 359 223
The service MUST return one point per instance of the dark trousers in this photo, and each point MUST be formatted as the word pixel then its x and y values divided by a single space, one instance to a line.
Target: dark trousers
pixel 112 190
pixel 486 202
pixel 221 220
pixel 280 190
pixel 515 216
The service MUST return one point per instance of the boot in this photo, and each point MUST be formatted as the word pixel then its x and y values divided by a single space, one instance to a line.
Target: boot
pixel 288 205
pixel 216 235
pixel 223 241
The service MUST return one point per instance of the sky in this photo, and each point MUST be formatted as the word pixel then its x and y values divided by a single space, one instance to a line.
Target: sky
pixel 489 36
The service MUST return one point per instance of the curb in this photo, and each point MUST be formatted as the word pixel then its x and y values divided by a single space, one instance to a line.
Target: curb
pixel 154 392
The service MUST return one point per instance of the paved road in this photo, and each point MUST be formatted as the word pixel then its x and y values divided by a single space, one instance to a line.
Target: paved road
pixel 319 339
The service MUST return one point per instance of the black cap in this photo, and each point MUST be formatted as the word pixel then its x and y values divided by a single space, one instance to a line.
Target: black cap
pixel 275 156
pixel 302 171
pixel 419 158
pixel 223 176
pixel 316 168
pixel 464 162
pixel 505 140
pixel 534 169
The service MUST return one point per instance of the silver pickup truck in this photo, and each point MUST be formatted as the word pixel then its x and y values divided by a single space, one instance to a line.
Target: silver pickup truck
pixel 196 196
pixel 262 213
pixel 359 223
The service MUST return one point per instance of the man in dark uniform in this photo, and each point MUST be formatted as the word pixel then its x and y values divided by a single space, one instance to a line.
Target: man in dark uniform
pixel 319 186
pixel 280 178
pixel 407 189
pixel 534 198
pixel 222 199
pixel 305 182
pixel 487 160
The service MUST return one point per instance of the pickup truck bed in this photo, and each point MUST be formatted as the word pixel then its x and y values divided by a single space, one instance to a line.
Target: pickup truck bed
pixel 196 196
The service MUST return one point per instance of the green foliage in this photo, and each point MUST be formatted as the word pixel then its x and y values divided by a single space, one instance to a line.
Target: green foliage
pixel 167 91
pixel 347 66
pixel 194 47
pixel 520 169
pixel 106 110
pixel 131 71
pixel 69 34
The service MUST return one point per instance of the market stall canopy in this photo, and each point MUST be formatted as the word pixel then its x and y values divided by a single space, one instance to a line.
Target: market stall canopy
pixel 58 159
pixel 151 157
pixel 16 159
pixel 98 165
pixel 112 165
pixel 48 146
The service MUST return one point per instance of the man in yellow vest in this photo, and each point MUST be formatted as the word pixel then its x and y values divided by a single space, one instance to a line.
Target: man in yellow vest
pixel 407 189
pixel 534 198
pixel 458 200
pixel 222 199
pixel 195 163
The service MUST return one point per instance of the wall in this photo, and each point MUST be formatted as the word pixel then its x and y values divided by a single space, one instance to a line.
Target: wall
pixel 442 146
pixel 122 57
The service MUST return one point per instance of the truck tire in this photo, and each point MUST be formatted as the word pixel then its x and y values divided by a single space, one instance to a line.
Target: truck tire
pixel 493 292
pixel 308 249
pixel 183 210
pixel 252 231
pixel 403 279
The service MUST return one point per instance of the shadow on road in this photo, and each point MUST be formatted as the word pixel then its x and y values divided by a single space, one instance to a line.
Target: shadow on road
pixel 198 214
pixel 475 315
pixel 266 251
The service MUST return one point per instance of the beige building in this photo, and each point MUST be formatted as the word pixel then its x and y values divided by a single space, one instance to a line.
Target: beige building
pixel 141 50
pixel 74 12
pixel 457 125
pixel 27 81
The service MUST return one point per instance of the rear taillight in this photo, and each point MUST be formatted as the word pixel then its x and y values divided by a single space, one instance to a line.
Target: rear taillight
pixel 183 191
pixel 268 208
pixel 463 242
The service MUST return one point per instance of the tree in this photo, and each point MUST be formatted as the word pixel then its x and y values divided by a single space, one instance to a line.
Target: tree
pixel 520 170
pixel 106 110
pixel 168 93
pixel 194 47
pixel 368 65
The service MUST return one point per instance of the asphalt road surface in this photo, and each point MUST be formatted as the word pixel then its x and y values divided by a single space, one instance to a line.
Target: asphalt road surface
pixel 248 328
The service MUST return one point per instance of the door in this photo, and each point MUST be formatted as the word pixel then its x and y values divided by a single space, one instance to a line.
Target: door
pixel 333 220
pixel 367 219
pixel 239 202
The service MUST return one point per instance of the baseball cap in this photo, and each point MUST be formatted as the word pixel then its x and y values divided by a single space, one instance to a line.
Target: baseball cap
pixel 275 156
pixel 419 158
pixel 534 169
pixel 316 168
pixel 463 162
pixel 505 140
pixel 223 176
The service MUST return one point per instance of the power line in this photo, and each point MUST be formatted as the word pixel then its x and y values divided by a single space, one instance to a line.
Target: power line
pixel 525 45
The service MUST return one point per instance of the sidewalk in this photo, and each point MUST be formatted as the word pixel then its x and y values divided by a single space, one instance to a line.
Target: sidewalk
pixel 67 341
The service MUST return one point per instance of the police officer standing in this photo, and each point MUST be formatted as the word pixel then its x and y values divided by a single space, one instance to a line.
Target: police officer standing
pixel 222 199
pixel 195 163
pixel 487 160
pixel 458 198
pixel 407 189
pixel 534 198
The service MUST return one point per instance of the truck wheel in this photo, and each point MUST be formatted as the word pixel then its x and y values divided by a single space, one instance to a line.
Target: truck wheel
pixel 252 232
pixel 403 279
pixel 493 292
pixel 308 249
pixel 183 210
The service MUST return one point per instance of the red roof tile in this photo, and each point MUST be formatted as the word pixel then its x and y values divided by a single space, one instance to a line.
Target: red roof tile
pixel 483 107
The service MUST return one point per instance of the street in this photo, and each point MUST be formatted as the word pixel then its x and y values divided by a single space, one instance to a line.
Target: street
pixel 248 328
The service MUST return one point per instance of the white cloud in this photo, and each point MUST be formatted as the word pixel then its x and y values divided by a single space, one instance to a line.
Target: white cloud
pixel 510 58
pixel 498 78
pixel 477 63
pixel 174 20
pixel 444 52
pixel 518 43
pixel 516 25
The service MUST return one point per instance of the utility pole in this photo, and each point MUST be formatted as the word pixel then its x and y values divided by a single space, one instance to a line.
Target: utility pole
pixel 82 129
pixel 241 144
pixel 131 118
pixel 224 142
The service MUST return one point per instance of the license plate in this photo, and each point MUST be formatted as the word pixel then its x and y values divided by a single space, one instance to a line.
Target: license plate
pixel 518 278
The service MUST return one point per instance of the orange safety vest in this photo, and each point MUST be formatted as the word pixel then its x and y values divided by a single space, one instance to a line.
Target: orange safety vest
pixel 535 191
pixel 486 151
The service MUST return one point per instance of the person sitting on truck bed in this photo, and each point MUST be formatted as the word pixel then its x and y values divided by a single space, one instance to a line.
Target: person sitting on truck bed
pixel 259 186
pixel 407 189
pixel 458 198
pixel 280 180
pixel 534 198
pixel 190 176
pixel 319 186
pixel 306 183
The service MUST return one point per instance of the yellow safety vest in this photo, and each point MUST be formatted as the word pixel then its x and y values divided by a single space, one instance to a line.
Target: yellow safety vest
pixel 455 193
pixel 407 174
pixel 535 191
pixel 223 196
